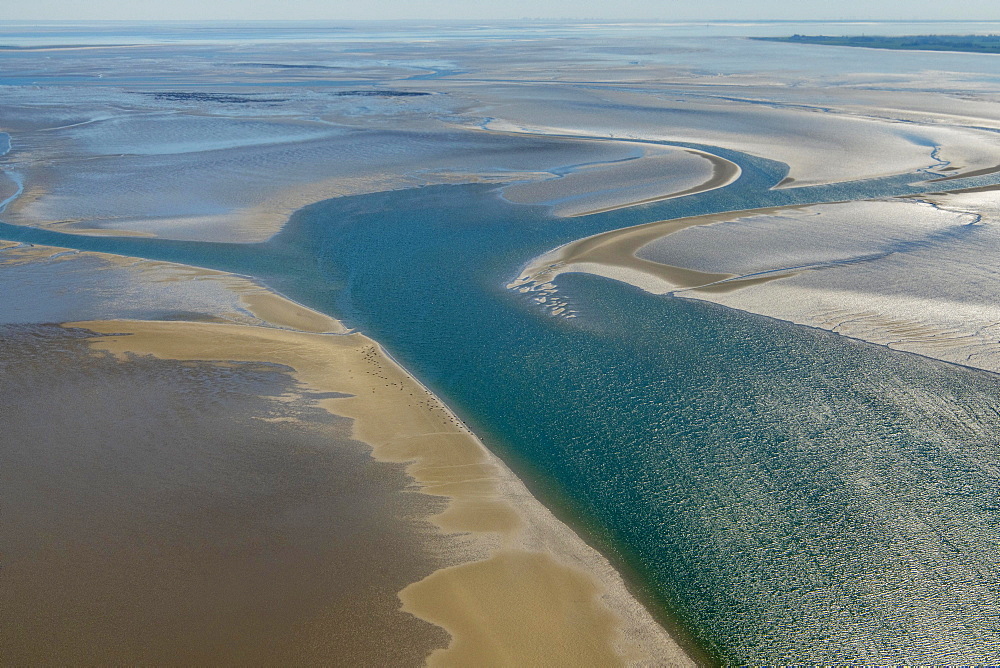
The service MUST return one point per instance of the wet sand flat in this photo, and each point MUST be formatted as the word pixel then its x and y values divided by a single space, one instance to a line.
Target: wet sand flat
pixel 613 254
pixel 724 172
pixel 660 172
pixel 166 512
pixel 503 539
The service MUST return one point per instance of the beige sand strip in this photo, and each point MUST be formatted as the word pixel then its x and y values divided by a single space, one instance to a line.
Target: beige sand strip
pixel 612 254
pixel 524 590
pixel 724 172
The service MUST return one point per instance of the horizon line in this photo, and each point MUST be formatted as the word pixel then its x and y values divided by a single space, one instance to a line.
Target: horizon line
pixel 495 20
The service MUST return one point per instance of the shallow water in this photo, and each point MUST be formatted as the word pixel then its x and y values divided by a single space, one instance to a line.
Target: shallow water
pixel 784 493
pixel 788 493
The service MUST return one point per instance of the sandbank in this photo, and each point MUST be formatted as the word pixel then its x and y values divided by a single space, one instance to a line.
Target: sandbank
pixel 846 267
pixel 533 592
pixel 53 284
pixel 612 254
pixel 127 171
pixel 820 146
pixel 723 172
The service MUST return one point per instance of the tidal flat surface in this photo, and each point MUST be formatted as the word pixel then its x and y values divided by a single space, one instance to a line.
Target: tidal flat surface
pixel 220 492
pixel 777 494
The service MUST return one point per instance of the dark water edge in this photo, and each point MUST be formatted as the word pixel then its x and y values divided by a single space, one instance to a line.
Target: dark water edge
pixel 952 43
pixel 785 494
pixel 152 516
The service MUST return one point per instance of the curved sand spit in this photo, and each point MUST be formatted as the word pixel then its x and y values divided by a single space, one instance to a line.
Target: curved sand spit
pixel 724 172
pixel 612 254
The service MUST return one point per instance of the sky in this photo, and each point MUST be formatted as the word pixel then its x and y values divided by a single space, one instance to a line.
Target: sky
pixel 20 10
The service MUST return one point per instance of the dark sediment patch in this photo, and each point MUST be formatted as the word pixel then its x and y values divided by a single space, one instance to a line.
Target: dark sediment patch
pixel 380 93
pixel 166 512
pixel 287 66
pixel 222 98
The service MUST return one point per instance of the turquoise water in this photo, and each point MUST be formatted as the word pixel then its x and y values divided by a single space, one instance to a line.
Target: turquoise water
pixel 784 494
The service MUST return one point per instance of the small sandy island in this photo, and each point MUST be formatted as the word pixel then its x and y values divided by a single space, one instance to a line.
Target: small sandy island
pixel 613 255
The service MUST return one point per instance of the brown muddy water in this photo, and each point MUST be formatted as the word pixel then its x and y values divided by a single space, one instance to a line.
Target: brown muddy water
pixel 164 512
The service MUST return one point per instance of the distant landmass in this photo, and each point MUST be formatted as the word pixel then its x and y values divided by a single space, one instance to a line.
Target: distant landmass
pixel 964 43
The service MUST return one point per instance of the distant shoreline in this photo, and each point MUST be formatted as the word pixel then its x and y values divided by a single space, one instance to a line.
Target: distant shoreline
pixel 988 44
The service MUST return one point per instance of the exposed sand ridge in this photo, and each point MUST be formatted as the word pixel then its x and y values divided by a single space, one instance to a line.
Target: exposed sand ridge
pixel 530 566
pixel 612 254
pixel 846 267
pixel 667 185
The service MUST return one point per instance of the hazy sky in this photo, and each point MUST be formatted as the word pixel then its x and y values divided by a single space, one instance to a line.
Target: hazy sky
pixel 483 9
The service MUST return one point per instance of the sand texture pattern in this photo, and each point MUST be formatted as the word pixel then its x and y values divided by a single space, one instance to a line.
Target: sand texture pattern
pixel 526 579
